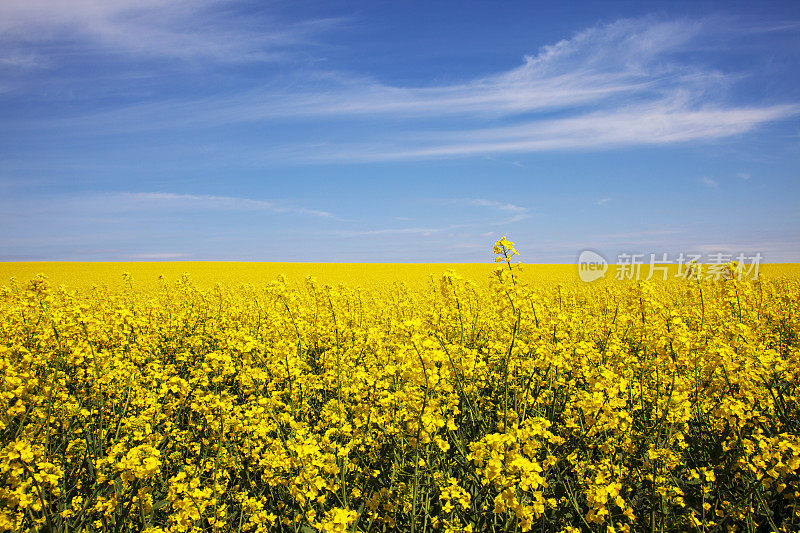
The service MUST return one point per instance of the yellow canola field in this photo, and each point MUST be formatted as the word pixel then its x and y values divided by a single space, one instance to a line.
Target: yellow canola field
pixel 513 404
pixel 205 274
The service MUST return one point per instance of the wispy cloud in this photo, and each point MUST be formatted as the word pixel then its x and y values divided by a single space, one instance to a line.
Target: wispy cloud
pixel 620 84
pixel 392 231
pixel 482 202
pixel 655 124
pixel 517 213
pixel 151 200
pixel 153 226
pixel 186 29
pixel 102 204
pixel 602 201
pixel 708 182
pixel 626 58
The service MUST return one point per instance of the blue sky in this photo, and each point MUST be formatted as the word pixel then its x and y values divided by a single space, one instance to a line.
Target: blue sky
pixel 397 131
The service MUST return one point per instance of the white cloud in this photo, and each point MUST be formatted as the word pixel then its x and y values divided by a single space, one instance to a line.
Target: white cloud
pixel 156 200
pixel 174 28
pixel 627 83
pixel 482 202
pixel 743 176
pixel 626 59
pixel 602 201
pixel 517 213
pixel 391 231
pixel 107 204
pixel 658 124
pixel 708 182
